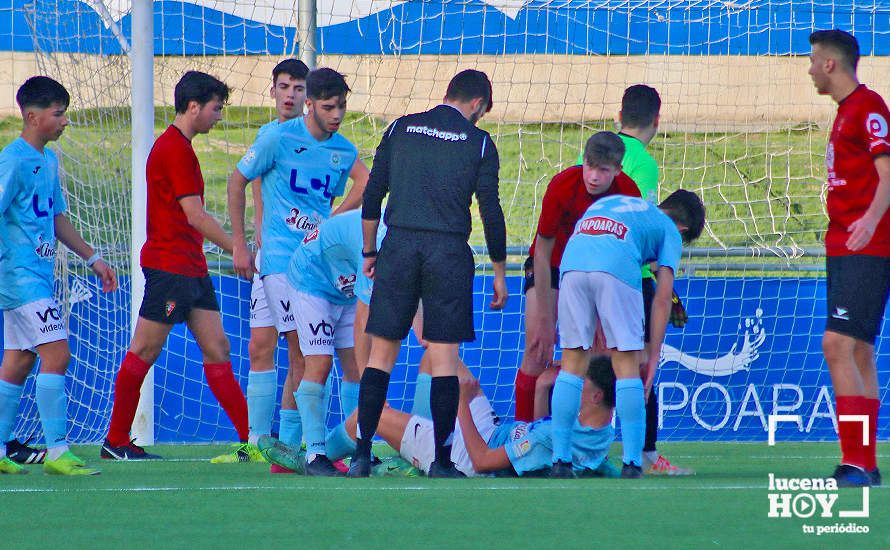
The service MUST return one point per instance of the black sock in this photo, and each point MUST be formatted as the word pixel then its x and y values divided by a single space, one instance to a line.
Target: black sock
pixel 651 421
pixel 371 397
pixel 444 393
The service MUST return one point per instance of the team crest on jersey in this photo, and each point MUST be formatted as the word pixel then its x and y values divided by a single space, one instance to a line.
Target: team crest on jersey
pixel 311 236
pixel 876 125
pixel 298 221
pixel 168 309
pixel 601 225
pixel 346 285
pixel 335 159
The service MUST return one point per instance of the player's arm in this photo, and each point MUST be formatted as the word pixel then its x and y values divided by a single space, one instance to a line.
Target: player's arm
pixel 69 236
pixel 544 332
pixel 484 459
pixel 359 175
pixel 493 223
pixel 237 202
pixel 257 193
pixel 206 224
pixel 862 230
pixel 543 387
pixel 372 201
pixel 661 310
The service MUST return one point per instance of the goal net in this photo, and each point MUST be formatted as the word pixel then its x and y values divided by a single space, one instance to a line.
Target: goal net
pixel 740 124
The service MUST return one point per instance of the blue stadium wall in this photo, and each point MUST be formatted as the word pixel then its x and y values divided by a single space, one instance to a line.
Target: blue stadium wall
pixel 763 337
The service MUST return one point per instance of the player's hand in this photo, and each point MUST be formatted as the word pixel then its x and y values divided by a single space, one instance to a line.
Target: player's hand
pixel 649 375
pixel 469 388
pixel 369 267
pixel 243 261
pixel 678 316
pixel 500 293
pixel 861 231
pixel 106 275
pixel 543 338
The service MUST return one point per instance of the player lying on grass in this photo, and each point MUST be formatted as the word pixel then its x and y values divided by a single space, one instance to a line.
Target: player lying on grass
pixel 32 218
pixel 483 444
pixel 601 282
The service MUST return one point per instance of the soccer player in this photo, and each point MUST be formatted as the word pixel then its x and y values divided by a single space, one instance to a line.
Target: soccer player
pixel 483 444
pixel 289 92
pixel 857 246
pixel 303 164
pixel 601 282
pixel 567 197
pixel 32 218
pixel 177 285
pixel 431 164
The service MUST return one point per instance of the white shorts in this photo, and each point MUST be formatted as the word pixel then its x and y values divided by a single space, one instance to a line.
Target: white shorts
pixel 585 297
pixel 419 445
pixel 323 326
pixel 281 300
pixel 33 324
pixel 260 314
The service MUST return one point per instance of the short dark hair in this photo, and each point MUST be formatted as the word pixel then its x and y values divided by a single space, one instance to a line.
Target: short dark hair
pixel 199 87
pixel 469 84
pixel 640 106
pixel 601 373
pixel 294 67
pixel 41 92
pixel 842 42
pixel 685 208
pixel 325 83
pixel 604 148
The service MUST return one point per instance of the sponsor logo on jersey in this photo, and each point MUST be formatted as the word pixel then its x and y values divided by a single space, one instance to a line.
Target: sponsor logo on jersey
pixel 601 225
pixel 311 236
pixel 522 447
pixel 45 250
pixel 47 314
pixel 169 307
pixel 324 327
pixel 301 222
pixel 436 133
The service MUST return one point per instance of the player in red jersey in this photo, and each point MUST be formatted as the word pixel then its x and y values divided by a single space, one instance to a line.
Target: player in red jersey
pixel 568 196
pixel 177 286
pixel 857 246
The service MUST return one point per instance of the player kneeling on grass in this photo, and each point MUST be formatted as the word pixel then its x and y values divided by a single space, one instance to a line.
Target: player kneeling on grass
pixel 32 217
pixel 323 273
pixel 484 445
pixel 601 281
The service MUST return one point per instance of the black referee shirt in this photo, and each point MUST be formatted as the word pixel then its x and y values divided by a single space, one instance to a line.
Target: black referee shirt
pixel 431 164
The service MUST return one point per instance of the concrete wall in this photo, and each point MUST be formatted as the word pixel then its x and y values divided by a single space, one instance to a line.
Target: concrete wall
pixel 698 92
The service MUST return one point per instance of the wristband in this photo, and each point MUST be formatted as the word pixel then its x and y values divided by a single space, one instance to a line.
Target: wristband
pixel 371 254
pixel 93 259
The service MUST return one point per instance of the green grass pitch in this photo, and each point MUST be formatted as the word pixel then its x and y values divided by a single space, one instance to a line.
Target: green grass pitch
pixel 186 502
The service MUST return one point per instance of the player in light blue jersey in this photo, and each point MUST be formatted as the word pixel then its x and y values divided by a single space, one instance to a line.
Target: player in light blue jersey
pixel 294 207
pixel 32 218
pixel 601 282
pixel 484 445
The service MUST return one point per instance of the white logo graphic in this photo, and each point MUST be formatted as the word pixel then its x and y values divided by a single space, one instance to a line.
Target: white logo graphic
pixel 876 125
pixel 250 156
pixel 829 156
pixel 78 292
pixel 725 365
pixel 841 313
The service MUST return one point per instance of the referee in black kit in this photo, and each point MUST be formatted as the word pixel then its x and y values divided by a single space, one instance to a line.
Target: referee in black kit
pixel 431 164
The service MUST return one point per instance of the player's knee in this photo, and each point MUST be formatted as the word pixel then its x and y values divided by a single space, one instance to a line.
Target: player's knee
pixel 261 348
pixel 217 351
pixel 837 347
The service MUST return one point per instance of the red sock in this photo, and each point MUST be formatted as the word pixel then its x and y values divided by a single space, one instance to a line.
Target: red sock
pixel 871 452
pixel 525 396
pixel 126 398
pixel 850 433
pixel 227 391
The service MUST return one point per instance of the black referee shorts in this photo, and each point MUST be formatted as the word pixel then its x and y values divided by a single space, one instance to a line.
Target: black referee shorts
pixel 648 297
pixel 528 282
pixel 170 298
pixel 437 267
pixel 858 287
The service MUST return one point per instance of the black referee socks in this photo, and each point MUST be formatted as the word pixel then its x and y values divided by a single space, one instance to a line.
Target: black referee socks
pixel 371 397
pixel 444 394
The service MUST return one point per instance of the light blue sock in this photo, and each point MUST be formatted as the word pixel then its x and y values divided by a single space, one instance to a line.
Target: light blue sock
pixel 421 406
pixel 328 392
pixel 338 443
pixel 349 397
pixel 630 405
pixel 564 408
pixel 10 397
pixel 310 401
pixel 52 403
pixel 261 388
pixel 290 429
